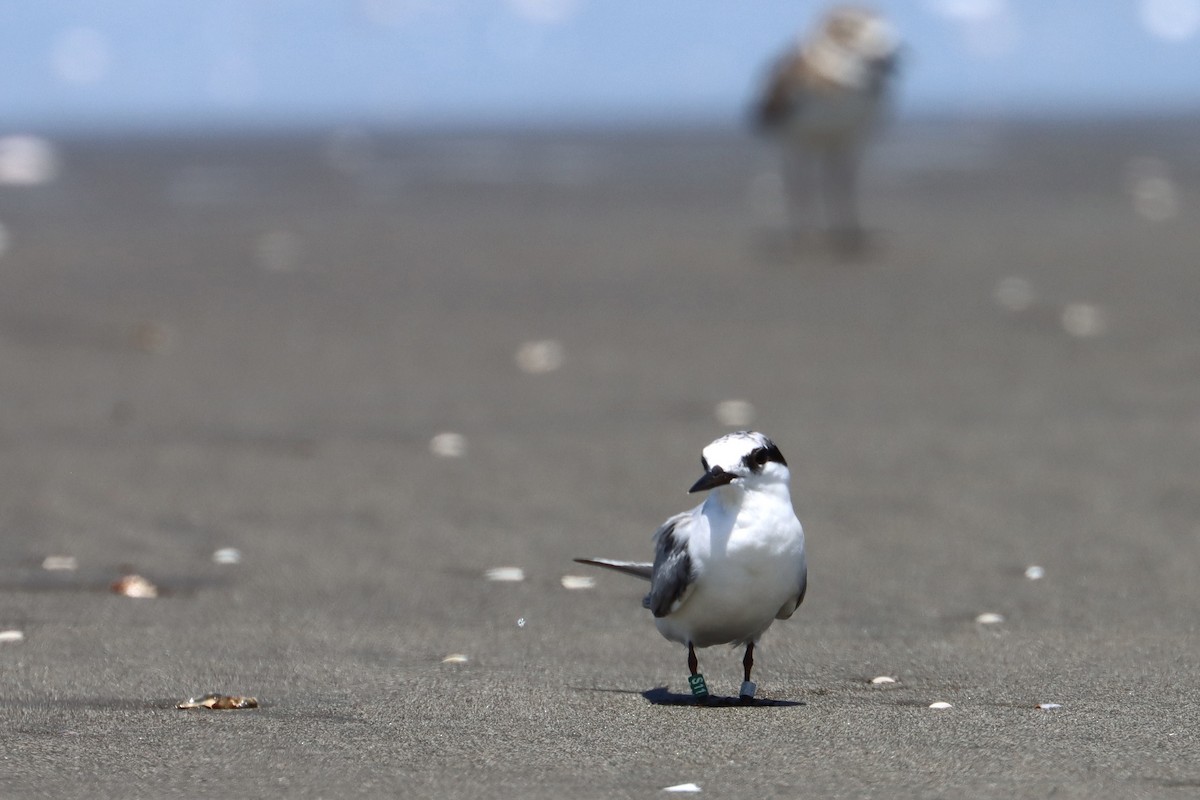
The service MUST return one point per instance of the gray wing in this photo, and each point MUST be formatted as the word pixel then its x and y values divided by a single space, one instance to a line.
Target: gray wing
pixel 790 606
pixel 672 573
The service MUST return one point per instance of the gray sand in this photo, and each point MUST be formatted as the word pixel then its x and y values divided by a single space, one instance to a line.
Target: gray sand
pixel 251 343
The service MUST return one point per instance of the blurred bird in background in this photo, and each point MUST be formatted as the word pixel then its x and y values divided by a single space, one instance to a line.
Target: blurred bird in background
pixel 822 100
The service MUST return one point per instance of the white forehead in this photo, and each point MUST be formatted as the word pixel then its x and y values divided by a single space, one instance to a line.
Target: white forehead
pixel 728 451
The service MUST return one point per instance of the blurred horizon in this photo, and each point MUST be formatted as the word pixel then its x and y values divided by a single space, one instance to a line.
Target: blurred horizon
pixel 143 64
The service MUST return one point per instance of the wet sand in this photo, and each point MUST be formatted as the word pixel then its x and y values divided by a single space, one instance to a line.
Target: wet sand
pixel 250 343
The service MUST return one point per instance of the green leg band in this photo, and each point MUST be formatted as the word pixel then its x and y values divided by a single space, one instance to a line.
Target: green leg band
pixel 699 688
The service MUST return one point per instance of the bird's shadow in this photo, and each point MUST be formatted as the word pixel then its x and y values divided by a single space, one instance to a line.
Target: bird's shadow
pixel 663 696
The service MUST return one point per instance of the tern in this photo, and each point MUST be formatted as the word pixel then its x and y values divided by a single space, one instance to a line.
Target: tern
pixel 724 571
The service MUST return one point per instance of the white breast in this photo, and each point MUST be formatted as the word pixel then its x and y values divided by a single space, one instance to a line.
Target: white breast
pixel 747 568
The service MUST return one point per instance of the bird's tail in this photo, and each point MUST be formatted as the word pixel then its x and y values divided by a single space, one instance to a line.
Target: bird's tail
pixel 638 569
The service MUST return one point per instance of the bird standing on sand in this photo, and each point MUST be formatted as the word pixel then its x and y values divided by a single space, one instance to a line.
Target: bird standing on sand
pixel 728 568
pixel 823 98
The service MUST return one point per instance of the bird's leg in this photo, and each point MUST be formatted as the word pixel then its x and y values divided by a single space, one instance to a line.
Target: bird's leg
pixel 695 679
pixel 746 695
pixel 797 180
pixel 840 174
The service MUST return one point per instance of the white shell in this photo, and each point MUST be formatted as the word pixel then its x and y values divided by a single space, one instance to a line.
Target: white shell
pixel 455 658
pixel 12 636
pixel 65 563
pixel 735 413
pixel 1034 572
pixel 578 581
pixel 1048 706
pixel 227 555
pixel 505 574
pixel 135 586
pixel 883 679
pixel 1083 320
pixel 989 618
pixel 448 445
pixel 683 787
pixel 545 355
pixel 940 704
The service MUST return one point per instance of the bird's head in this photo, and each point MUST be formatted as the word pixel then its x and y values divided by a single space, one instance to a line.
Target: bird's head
pixel 745 458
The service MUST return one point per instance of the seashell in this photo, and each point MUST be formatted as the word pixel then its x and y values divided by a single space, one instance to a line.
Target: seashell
pixel 505 574
pixel 219 702
pixel 135 586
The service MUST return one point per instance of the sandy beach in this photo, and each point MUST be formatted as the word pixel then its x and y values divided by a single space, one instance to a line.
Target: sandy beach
pixel 251 342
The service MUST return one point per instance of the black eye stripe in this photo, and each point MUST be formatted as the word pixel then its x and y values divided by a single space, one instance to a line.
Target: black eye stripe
pixel 756 459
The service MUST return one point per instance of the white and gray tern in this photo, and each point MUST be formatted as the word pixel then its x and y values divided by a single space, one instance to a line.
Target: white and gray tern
pixel 731 566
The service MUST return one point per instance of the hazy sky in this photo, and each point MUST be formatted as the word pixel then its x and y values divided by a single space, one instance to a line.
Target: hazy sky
pixel 186 62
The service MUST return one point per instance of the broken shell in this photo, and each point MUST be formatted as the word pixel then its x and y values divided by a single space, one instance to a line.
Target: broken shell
pixel 219 702
pixel 65 563
pixel 135 586
pixel 682 787
pixel 12 636
pixel 940 705
pixel 578 581
pixel 1048 706
pixel 1035 573
pixel 455 658
pixel 989 618
pixel 505 574
pixel 883 679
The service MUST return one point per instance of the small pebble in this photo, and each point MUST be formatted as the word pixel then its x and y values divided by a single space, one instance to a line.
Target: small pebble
pixel 135 586
pixel 989 618
pixel 1035 573
pixel 448 445
pixel 12 636
pixel 63 563
pixel 541 356
pixel 505 574
pixel 940 705
pixel 455 658
pixel 578 581
pixel 227 555
pixel 683 787
pixel 1048 706
pixel 521 622
pixel 883 679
